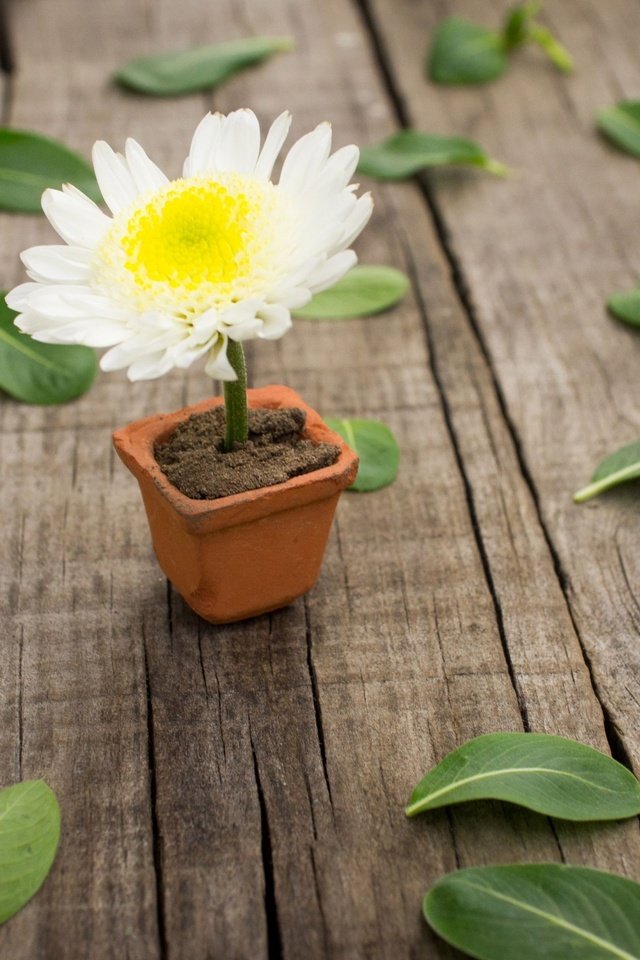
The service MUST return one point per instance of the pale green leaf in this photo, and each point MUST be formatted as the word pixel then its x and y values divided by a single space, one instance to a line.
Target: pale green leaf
pixel 617 468
pixel 551 775
pixel 29 163
pixel 363 291
pixel 41 373
pixel 626 306
pixel 621 124
pixel 29 834
pixel 463 52
pixel 200 68
pixel 409 151
pixel 542 911
pixel 377 448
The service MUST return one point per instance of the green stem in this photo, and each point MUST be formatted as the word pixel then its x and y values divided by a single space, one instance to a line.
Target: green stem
pixel 235 398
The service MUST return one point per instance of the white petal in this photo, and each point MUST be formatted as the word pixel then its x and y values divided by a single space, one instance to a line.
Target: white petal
pixel 277 320
pixel 218 365
pixel 146 175
pixel 184 358
pixel 334 268
pixel 205 325
pixel 75 218
pixel 18 298
pixel 247 330
pixel 115 182
pixel 57 264
pixel 140 345
pixel 150 367
pixel 272 146
pixel 357 220
pixel 203 145
pixel 239 142
pixel 306 158
pixel 66 300
pixel 294 298
pixel 344 160
pixel 89 332
pixel 241 311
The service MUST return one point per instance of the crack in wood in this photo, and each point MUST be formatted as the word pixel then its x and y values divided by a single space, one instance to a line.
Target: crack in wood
pixel 7 62
pixel 153 801
pixel 20 703
pixel 555 836
pixel 452 834
pixel 316 884
pixel 274 935
pixel 315 696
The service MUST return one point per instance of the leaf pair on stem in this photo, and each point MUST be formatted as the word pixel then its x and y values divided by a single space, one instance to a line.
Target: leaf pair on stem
pixel 463 52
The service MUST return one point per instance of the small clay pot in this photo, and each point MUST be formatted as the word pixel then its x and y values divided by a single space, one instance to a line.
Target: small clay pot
pixel 246 554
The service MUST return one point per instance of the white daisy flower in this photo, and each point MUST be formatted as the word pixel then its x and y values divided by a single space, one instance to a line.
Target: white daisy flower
pixel 182 266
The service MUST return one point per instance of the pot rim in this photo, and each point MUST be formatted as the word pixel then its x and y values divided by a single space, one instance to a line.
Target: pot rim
pixel 135 444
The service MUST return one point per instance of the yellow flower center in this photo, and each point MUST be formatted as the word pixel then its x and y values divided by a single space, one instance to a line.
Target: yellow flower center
pixel 194 244
pixel 188 235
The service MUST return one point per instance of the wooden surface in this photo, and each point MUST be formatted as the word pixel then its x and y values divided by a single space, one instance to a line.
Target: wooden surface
pixel 238 792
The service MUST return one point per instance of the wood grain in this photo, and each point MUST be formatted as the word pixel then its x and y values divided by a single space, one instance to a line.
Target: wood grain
pixel 535 284
pixel 233 792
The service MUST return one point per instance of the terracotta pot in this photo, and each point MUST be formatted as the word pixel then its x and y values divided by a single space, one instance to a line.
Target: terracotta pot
pixel 246 554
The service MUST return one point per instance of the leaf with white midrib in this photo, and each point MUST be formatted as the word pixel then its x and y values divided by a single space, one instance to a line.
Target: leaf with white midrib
pixel 558 921
pixel 550 775
pixel 565 910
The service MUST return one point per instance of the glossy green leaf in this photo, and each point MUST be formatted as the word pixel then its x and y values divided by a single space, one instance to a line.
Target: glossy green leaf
pixel 29 834
pixel 463 52
pixel 409 151
pixel 377 448
pixel 626 306
pixel 551 775
pixel 618 467
pixel 29 163
pixel 542 911
pixel 363 291
pixel 41 373
pixel 621 124
pixel 201 68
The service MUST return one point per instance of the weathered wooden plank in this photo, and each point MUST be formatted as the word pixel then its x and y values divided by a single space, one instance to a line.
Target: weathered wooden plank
pixel 537 290
pixel 282 750
pixel 76 709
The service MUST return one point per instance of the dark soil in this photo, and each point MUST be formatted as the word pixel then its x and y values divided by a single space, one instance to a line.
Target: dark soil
pixel 194 460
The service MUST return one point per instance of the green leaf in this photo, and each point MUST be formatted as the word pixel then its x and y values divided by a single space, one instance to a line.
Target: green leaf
pixel 377 448
pixel 551 775
pixel 556 52
pixel 201 68
pixel 626 306
pixel 617 468
pixel 463 52
pixel 409 151
pixel 517 24
pixel 29 163
pixel 42 373
pixel 621 124
pixel 29 834
pixel 363 291
pixel 542 911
